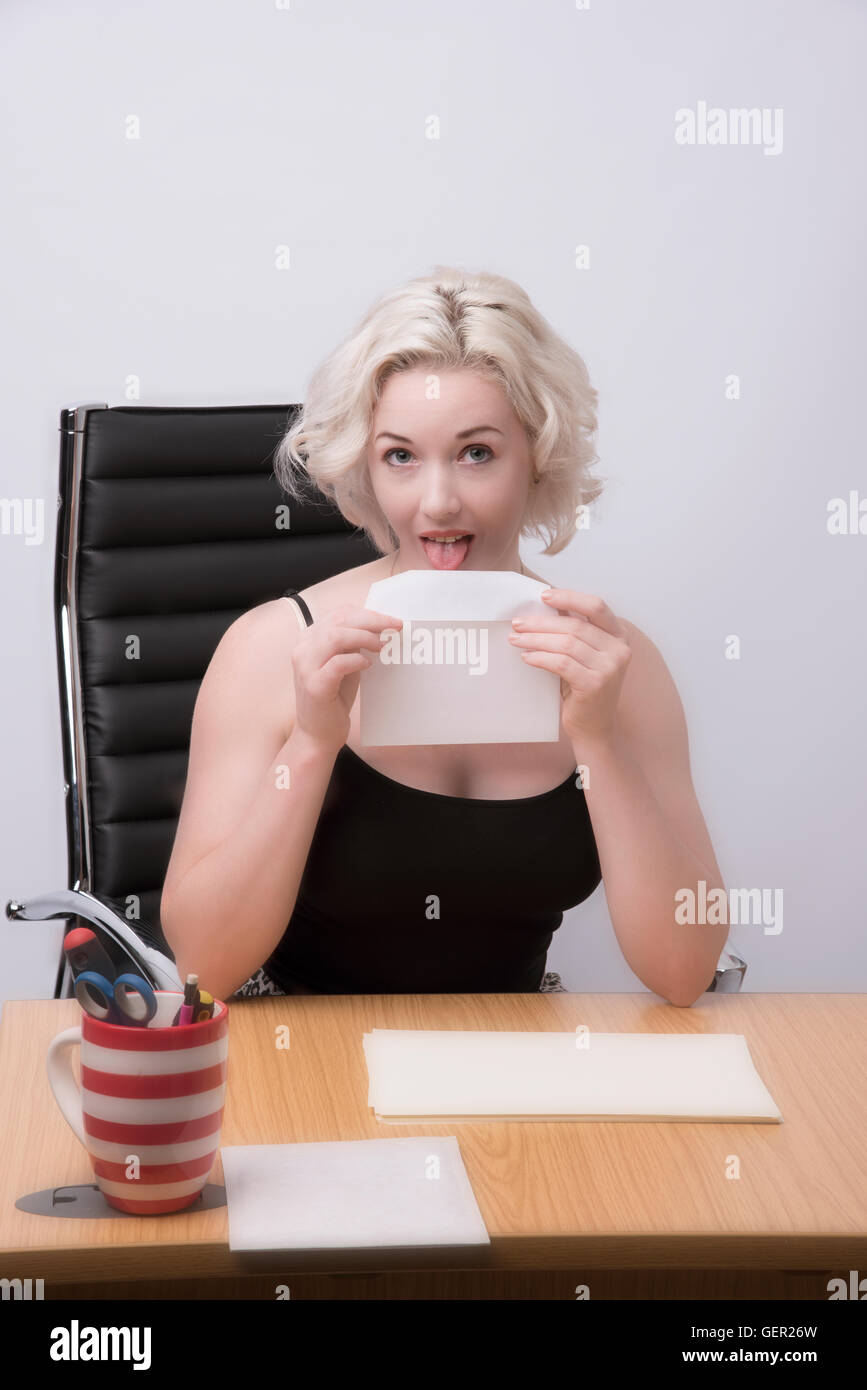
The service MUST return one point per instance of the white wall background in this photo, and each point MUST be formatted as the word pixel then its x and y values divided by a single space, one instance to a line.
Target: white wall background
pixel 263 125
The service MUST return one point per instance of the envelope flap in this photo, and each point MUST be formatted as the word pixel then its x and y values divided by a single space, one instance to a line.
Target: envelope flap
pixel 469 596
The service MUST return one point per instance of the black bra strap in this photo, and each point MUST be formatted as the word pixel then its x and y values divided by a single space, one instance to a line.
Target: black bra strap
pixel 294 594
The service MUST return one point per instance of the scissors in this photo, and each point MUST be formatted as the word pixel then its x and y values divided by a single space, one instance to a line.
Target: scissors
pixel 129 1000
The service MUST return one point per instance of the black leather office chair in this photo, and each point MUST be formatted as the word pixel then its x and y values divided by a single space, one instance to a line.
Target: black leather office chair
pixel 170 526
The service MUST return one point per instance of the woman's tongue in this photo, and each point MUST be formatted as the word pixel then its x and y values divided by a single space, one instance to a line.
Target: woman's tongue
pixel 446 555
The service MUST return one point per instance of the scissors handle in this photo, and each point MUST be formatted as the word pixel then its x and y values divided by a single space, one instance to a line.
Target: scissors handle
pixel 134 997
pixel 95 994
pixel 129 999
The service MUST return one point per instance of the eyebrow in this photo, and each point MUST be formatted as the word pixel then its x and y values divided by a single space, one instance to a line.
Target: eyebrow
pixel 476 429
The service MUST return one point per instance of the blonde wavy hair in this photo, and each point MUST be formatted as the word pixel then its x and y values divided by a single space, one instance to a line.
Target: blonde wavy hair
pixel 450 319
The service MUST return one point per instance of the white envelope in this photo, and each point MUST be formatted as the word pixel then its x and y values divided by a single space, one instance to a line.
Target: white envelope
pixel 450 675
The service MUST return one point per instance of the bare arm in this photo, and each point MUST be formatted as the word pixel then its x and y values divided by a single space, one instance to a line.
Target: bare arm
pixel 651 834
pixel 229 911
pixel 271 714
pixel 251 803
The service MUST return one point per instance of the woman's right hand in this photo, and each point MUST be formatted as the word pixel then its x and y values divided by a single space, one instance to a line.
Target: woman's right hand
pixel 327 661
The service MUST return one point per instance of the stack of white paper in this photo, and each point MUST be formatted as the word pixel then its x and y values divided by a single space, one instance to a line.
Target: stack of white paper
pixel 418 1076
pixel 359 1193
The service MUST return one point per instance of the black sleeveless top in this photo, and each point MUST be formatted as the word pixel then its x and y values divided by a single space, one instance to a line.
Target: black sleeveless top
pixel 412 892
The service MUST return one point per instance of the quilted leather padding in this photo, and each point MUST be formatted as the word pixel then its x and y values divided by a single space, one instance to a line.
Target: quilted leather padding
pixel 182 528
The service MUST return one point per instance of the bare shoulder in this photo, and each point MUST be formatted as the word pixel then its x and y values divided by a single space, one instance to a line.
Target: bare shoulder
pixel 650 707
pixel 249 677
pixel 260 639
pixel 264 635
pixel 251 669
pixel 644 650
pixel 349 586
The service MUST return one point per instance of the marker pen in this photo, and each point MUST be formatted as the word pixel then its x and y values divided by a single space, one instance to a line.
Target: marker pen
pixel 189 996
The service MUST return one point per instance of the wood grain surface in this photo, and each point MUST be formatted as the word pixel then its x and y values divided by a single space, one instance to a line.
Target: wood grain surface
pixel 555 1196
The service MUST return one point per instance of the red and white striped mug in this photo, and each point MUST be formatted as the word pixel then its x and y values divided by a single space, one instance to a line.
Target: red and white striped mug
pixel 150 1106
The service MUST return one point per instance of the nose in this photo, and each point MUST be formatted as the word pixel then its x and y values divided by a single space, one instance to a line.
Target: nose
pixel 440 499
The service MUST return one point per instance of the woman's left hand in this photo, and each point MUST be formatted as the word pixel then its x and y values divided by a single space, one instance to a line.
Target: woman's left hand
pixel 588 648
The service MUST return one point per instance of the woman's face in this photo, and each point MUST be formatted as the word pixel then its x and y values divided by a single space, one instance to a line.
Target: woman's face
pixel 448 454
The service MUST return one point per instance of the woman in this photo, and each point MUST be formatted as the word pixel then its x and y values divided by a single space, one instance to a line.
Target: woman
pixel 451 422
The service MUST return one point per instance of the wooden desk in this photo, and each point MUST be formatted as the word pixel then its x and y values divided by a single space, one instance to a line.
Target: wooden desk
pixel 632 1210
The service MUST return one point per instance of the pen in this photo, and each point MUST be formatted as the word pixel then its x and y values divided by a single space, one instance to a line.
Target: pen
pixel 202 1008
pixel 189 996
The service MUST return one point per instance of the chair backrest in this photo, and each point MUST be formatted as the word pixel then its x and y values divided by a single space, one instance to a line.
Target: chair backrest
pixel 171 524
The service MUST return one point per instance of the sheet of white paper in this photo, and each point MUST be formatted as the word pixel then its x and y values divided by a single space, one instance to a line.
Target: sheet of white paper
pixel 353 1194
pixel 422 1075
pixel 450 675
